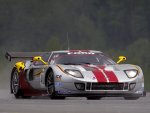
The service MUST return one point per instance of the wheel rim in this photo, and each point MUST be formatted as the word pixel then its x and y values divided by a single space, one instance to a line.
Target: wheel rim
pixel 15 82
pixel 50 84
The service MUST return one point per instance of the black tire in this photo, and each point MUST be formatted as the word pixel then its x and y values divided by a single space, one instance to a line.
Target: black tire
pixel 144 94
pixel 50 83
pixel 26 97
pixel 93 98
pixel 15 84
pixel 131 98
pixel 15 88
pixel 59 97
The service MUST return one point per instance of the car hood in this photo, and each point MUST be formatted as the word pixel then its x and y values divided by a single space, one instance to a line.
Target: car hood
pixel 117 67
pixel 109 73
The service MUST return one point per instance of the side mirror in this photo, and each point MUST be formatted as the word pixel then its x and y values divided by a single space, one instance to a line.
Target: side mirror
pixel 121 59
pixel 39 58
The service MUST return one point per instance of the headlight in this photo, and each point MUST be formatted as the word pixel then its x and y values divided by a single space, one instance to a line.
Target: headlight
pixel 74 73
pixel 131 73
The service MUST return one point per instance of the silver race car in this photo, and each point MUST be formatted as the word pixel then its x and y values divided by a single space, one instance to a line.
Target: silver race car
pixel 83 73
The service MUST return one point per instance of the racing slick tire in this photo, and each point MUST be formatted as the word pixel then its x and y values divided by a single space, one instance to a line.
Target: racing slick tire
pixel 15 88
pixel 131 98
pixel 50 83
pixel 93 98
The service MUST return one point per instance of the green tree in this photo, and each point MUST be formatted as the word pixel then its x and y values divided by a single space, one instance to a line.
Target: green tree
pixel 53 44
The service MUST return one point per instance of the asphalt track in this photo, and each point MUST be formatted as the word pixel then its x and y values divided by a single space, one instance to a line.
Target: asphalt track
pixel 8 104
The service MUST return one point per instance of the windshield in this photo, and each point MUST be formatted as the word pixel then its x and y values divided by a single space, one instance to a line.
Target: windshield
pixel 79 59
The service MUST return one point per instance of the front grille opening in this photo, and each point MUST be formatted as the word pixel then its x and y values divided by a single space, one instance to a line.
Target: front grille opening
pixel 106 86
pixel 88 86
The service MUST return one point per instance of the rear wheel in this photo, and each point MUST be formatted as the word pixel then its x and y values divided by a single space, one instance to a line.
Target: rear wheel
pixel 26 97
pixel 131 98
pixel 15 84
pixel 15 88
pixel 93 98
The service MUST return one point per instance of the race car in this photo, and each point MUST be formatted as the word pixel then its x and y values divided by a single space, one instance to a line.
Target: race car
pixel 77 73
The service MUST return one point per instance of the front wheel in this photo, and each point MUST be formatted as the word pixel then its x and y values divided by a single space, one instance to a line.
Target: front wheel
pixel 93 98
pixel 50 83
pixel 131 98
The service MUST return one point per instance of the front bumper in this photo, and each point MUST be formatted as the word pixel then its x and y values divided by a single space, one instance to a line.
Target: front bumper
pixel 124 90
pixel 105 94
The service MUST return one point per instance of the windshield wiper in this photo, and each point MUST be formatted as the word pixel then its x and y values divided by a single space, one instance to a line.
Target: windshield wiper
pixel 70 63
pixel 78 63
pixel 85 63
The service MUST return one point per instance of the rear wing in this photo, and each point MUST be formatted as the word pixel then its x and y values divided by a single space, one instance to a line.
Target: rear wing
pixel 22 55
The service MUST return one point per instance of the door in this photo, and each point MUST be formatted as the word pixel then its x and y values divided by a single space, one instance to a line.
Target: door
pixel 35 76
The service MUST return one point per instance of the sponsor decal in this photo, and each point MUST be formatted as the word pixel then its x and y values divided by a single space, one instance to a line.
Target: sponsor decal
pixel 58 84
pixel 37 72
pixel 58 77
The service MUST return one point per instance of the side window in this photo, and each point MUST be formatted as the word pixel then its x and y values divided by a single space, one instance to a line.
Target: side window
pixel 46 57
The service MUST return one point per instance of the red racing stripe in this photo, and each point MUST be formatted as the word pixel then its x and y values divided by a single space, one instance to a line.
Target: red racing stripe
pixel 111 76
pixel 99 75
